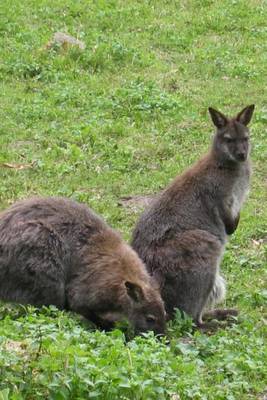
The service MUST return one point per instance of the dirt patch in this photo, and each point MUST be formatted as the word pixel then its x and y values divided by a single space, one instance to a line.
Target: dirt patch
pixel 65 41
pixel 135 203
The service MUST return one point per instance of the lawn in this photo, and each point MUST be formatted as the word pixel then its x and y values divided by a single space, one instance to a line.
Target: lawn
pixel 122 118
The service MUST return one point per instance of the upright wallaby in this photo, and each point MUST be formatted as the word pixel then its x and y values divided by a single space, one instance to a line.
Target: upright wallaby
pixel 181 238
pixel 57 251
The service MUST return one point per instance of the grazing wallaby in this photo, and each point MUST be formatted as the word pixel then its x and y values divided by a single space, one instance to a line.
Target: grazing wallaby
pixel 181 237
pixel 56 251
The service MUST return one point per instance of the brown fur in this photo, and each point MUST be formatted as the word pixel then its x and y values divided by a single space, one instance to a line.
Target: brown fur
pixel 57 251
pixel 181 237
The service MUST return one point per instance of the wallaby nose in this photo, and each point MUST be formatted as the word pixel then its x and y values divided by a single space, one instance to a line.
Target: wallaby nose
pixel 241 156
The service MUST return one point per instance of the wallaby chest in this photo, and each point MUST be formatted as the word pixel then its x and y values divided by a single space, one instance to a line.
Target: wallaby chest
pixel 238 191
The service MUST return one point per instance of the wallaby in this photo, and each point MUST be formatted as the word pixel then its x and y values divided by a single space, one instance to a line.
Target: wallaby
pixel 181 237
pixel 57 251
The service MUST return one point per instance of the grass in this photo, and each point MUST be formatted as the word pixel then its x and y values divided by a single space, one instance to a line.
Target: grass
pixel 122 118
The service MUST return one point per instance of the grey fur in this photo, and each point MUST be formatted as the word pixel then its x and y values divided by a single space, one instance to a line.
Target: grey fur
pixel 57 251
pixel 181 237
pixel 218 292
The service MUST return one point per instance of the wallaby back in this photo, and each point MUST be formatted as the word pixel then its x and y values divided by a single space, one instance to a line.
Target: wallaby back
pixel 181 236
pixel 57 251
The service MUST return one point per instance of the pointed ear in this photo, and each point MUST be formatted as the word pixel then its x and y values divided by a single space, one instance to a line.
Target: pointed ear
pixel 218 118
pixel 157 280
pixel 134 291
pixel 245 115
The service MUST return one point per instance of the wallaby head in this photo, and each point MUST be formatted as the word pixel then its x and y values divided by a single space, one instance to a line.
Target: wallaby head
pixel 231 141
pixel 121 288
pixel 136 302
pixel 138 296
pixel 147 310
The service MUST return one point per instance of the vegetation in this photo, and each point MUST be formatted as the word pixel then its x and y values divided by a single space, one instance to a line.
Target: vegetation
pixel 122 118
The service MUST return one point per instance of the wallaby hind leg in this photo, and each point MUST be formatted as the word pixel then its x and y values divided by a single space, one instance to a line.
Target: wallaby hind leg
pixel 186 270
pixel 184 290
pixel 32 269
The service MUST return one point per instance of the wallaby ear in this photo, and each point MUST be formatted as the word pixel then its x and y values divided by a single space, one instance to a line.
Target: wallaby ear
pixel 218 118
pixel 245 115
pixel 157 280
pixel 134 291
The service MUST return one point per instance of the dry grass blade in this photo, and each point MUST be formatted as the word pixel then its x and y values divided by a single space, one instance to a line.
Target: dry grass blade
pixel 17 166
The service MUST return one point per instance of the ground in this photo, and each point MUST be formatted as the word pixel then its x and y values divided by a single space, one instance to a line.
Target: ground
pixel 116 120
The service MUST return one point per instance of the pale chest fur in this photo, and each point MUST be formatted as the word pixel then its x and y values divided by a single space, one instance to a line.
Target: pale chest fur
pixel 239 192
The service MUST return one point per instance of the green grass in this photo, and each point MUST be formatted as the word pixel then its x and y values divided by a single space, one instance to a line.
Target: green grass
pixel 121 118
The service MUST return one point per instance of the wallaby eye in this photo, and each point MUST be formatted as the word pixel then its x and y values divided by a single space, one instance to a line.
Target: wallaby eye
pixel 150 319
pixel 229 140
